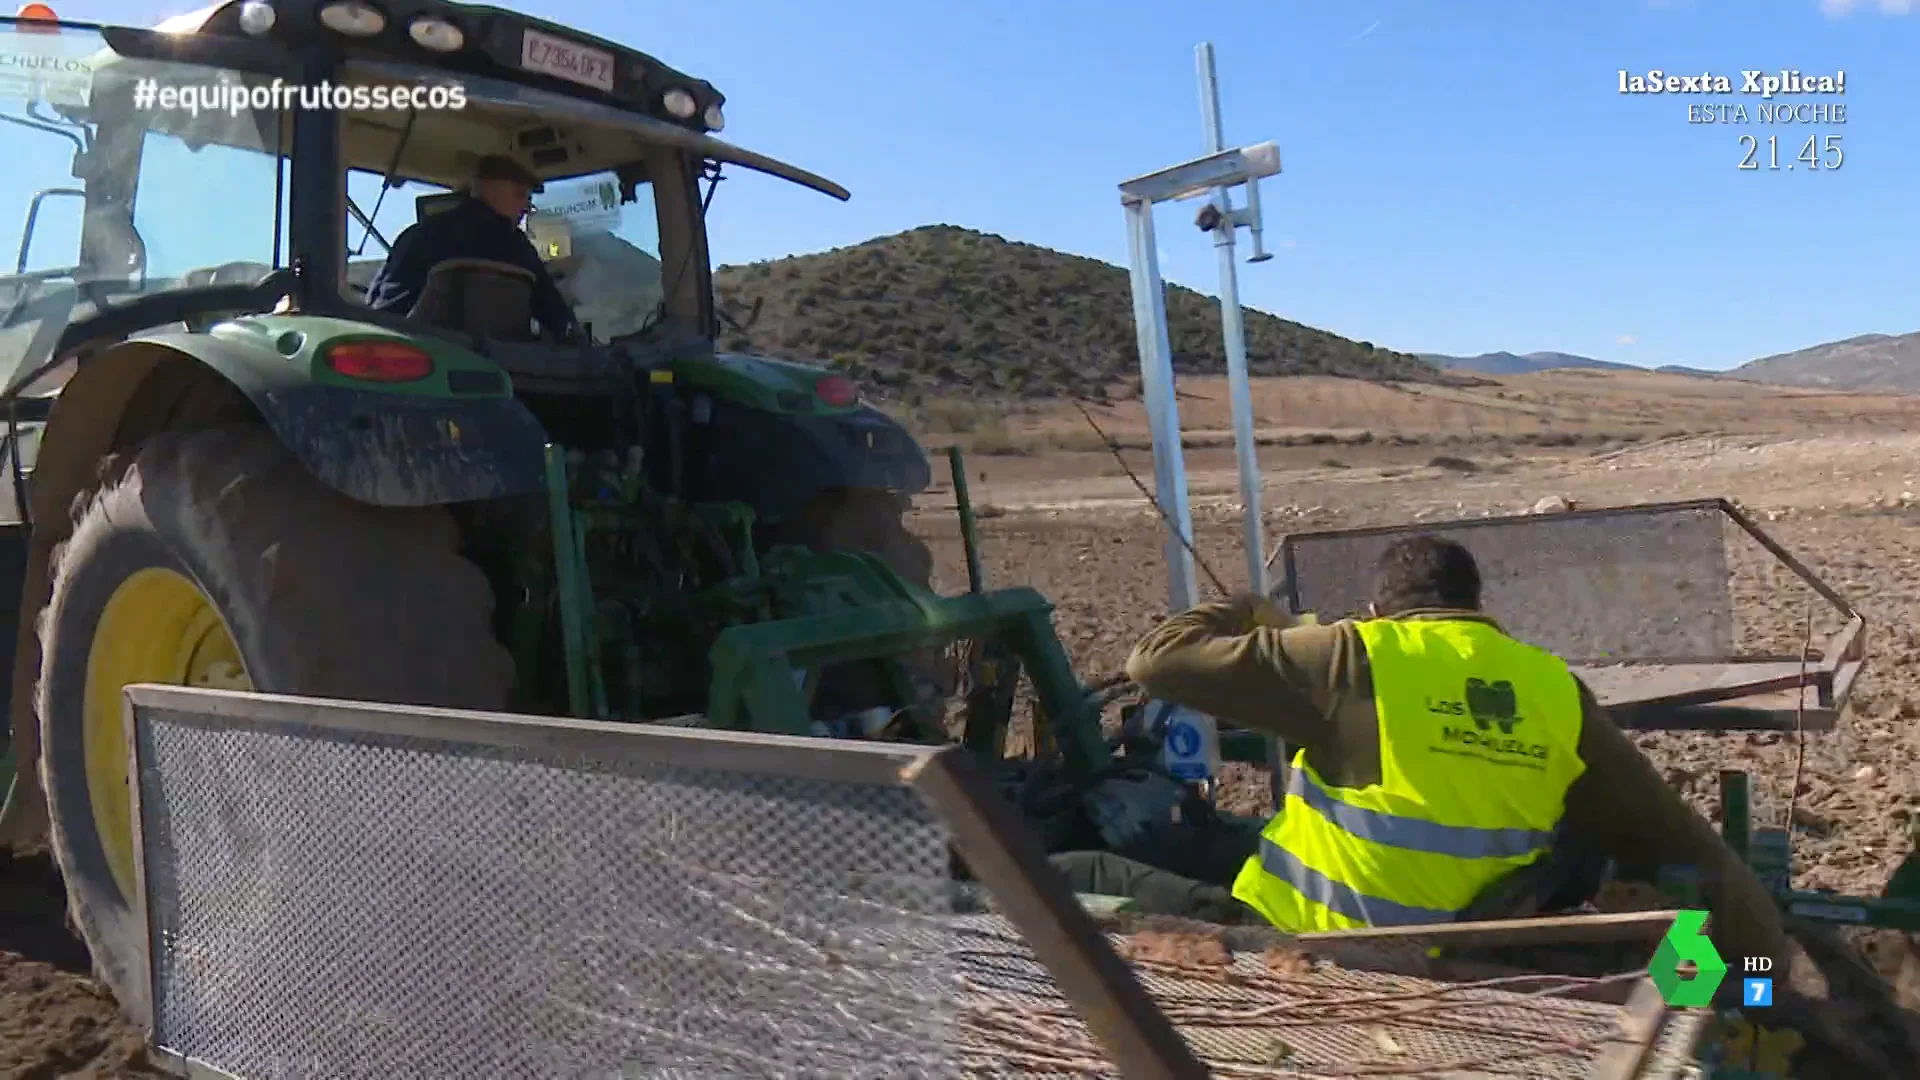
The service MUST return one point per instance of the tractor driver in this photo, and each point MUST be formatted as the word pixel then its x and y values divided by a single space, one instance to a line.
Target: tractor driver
pixel 484 225
pixel 1447 771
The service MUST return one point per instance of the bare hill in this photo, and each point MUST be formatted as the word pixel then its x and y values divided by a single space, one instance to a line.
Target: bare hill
pixel 1506 363
pixel 1867 362
pixel 942 311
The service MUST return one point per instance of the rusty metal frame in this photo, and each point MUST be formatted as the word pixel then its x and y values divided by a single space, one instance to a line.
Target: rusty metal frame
pixel 1831 677
pixel 1644 1018
pixel 989 835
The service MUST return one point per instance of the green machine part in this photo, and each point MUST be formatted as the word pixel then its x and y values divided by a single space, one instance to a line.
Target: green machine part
pixel 1769 852
pixel 790 613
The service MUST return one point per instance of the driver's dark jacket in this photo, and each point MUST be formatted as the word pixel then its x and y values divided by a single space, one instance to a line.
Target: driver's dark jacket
pixel 1312 686
pixel 471 230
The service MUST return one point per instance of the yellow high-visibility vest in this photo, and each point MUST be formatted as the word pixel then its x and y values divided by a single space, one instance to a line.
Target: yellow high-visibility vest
pixel 1479 742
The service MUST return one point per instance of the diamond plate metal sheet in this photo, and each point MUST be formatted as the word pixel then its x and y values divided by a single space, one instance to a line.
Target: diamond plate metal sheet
pixel 360 906
pixel 1627 584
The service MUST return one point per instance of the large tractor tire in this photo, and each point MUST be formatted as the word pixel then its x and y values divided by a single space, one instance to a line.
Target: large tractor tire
pixel 862 519
pixel 215 559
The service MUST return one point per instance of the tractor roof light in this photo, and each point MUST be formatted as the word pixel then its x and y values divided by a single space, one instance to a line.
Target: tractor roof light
pixel 836 391
pixel 256 17
pixel 680 103
pixel 380 361
pixel 37 13
pixel 716 120
pixel 437 35
pixel 354 18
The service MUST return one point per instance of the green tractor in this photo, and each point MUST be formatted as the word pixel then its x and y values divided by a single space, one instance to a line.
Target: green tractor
pixel 228 470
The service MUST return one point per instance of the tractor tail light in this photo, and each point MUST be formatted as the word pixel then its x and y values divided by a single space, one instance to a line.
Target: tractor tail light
pixel 836 391
pixel 380 361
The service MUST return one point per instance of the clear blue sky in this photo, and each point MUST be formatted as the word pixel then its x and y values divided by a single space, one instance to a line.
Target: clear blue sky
pixel 1460 176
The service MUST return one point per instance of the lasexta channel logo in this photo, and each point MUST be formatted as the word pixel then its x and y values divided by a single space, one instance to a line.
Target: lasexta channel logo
pixel 1686 942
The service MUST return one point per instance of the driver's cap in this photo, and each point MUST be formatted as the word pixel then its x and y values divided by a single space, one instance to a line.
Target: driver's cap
pixel 502 167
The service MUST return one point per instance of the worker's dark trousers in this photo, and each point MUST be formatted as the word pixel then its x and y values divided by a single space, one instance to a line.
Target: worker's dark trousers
pixel 1180 870
pixel 1189 872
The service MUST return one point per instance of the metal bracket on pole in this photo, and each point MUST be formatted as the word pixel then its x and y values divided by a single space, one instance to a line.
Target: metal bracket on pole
pixel 1214 175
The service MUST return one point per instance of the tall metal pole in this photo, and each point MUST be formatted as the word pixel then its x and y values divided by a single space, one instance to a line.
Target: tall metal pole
pixel 1156 384
pixel 1234 335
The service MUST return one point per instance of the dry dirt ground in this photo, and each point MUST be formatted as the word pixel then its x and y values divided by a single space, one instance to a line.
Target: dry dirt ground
pixel 1835 478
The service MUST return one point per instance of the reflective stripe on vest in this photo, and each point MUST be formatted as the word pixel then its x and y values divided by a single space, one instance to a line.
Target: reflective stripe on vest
pixel 1417 834
pixel 1343 900
pixel 1479 739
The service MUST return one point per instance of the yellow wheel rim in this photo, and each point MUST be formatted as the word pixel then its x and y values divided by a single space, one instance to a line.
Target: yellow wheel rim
pixel 158 627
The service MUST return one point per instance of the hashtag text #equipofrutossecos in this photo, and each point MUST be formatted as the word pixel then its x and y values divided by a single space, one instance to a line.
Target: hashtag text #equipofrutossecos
pixel 238 98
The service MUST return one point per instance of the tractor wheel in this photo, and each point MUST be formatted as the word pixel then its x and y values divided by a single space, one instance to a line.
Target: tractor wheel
pixel 864 519
pixel 214 558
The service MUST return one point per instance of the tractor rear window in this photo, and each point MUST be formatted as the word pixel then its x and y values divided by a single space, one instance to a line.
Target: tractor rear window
pixel 118 197
pixel 195 246
pixel 604 254
pixel 375 219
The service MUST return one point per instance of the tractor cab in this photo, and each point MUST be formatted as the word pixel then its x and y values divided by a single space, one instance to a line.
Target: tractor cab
pixel 263 156
pixel 263 136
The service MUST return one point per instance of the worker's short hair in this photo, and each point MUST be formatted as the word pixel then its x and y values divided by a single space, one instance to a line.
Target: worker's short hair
pixel 1426 572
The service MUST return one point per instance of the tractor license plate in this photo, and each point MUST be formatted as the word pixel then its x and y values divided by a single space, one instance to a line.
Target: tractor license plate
pixel 550 55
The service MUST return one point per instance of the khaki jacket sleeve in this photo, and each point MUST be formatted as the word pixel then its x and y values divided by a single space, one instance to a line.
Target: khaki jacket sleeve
pixel 1624 807
pixel 1239 662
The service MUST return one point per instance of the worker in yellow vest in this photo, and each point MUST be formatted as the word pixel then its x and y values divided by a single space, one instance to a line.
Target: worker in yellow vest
pixel 1441 762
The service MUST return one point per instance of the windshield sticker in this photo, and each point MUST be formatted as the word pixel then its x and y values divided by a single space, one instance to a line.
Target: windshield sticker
pixel 45 68
pixel 589 207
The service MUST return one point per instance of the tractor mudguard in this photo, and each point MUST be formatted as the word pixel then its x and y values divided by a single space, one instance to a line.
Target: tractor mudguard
pixel 777 462
pixel 398 451
pixel 455 436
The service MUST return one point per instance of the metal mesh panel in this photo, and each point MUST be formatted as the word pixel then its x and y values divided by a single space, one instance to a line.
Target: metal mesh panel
pixel 1244 1017
pixel 358 906
pixel 330 902
pixel 1631 584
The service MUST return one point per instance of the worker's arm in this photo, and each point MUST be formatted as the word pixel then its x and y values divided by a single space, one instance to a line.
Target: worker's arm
pixel 1240 662
pixel 1623 806
pixel 396 285
pixel 550 305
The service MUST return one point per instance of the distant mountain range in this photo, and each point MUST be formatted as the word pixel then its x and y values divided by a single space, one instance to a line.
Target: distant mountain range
pixel 1868 362
pixel 1506 363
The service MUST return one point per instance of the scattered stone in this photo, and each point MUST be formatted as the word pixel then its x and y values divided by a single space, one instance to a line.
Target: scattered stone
pixel 1285 961
pixel 1175 949
pixel 1805 818
pixel 1866 774
pixel 1553 504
